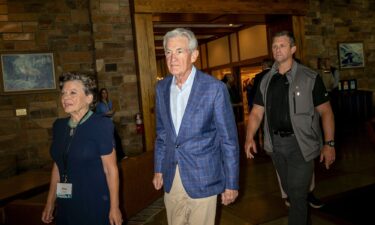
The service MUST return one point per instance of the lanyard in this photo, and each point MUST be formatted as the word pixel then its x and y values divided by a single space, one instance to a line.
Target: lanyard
pixel 73 131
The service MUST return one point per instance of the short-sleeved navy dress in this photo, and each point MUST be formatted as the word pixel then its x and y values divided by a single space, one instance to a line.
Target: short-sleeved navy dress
pixel 90 200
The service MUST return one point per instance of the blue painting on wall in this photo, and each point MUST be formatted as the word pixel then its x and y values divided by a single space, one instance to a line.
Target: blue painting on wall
pixel 351 55
pixel 27 72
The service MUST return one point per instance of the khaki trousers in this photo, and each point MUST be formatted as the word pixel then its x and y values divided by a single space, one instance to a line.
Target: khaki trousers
pixel 183 210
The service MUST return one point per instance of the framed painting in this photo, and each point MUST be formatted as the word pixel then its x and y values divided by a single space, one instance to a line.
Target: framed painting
pixel 351 55
pixel 27 72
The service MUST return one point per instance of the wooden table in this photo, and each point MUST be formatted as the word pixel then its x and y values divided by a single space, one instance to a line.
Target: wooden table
pixel 23 186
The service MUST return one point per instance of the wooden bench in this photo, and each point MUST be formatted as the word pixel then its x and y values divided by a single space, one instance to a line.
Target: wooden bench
pixel 23 186
pixel 26 211
pixel 2 216
pixel 370 126
pixel 136 188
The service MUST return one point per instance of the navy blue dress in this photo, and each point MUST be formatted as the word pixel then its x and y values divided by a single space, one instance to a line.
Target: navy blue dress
pixel 90 200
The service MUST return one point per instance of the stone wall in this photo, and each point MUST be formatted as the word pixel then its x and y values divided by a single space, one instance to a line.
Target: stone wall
pixel 329 22
pixel 84 35
pixel 115 63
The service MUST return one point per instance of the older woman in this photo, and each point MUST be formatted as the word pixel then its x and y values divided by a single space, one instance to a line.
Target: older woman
pixel 84 176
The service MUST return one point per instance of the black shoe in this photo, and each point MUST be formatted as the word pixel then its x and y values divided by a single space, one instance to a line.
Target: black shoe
pixel 314 202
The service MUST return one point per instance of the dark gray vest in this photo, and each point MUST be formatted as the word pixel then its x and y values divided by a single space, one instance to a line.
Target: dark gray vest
pixel 304 117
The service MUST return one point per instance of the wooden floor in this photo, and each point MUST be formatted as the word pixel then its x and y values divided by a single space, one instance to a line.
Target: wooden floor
pixel 260 202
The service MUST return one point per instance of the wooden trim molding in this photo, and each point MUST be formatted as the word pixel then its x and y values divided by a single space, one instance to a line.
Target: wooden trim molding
pixel 297 7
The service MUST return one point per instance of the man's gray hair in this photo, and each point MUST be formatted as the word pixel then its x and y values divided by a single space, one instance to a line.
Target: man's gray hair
pixel 181 32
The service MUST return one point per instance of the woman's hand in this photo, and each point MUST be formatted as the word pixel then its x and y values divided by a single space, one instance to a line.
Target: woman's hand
pixel 47 215
pixel 115 217
pixel 111 173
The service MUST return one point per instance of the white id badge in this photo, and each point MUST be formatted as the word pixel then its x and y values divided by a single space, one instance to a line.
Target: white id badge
pixel 64 190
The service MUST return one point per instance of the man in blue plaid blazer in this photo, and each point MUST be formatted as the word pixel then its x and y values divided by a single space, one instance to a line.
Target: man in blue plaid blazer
pixel 196 150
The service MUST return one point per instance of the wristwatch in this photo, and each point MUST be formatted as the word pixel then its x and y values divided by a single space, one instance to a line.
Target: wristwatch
pixel 330 143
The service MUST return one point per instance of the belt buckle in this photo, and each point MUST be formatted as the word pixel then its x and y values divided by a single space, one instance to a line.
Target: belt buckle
pixel 283 134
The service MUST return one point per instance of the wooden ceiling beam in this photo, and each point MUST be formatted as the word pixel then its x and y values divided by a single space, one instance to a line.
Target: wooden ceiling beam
pixel 295 7
pixel 200 30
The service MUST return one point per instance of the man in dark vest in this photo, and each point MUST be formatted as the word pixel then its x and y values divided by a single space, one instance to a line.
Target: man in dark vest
pixel 292 99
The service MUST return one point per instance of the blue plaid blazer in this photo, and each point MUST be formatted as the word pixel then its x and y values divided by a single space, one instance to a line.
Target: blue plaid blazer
pixel 206 147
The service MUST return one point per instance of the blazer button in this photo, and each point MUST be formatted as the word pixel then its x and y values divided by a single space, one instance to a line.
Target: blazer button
pixel 177 146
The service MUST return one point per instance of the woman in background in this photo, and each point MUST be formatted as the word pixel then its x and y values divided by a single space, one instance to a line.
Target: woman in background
pixel 84 178
pixel 104 105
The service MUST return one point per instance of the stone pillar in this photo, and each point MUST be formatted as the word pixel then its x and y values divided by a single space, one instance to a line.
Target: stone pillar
pixel 115 66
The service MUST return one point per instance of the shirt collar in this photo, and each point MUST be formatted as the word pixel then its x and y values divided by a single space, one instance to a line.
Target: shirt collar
pixel 189 81
pixel 291 71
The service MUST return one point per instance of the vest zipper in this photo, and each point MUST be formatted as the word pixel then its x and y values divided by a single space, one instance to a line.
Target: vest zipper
pixel 294 102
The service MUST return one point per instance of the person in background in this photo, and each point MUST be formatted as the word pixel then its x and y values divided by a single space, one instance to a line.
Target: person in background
pixel 249 87
pixel 84 178
pixel 104 105
pixel 266 67
pixel 234 95
pixel 196 149
pixel 228 79
pixel 292 99
pixel 335 73
pixel 330 75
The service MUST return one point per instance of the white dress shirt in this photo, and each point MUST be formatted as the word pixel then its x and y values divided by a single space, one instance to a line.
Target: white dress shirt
pixel 179 98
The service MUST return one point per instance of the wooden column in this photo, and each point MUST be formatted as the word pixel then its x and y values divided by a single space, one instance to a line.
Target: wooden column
pixel 299 34
pixel 147 74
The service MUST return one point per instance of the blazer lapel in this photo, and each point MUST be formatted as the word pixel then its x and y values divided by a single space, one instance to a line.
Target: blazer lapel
pixel 192 102
pixel 167 99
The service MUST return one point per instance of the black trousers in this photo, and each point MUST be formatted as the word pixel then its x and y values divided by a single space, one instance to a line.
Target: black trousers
pixel 295 175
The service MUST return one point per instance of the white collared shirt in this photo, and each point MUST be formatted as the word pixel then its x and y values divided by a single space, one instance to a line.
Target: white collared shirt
pixel 179 98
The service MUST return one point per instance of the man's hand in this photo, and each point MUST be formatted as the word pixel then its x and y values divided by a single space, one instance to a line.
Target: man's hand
pixel 158 181
pixel 250 148
pixel 228 196
pixel 328 155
